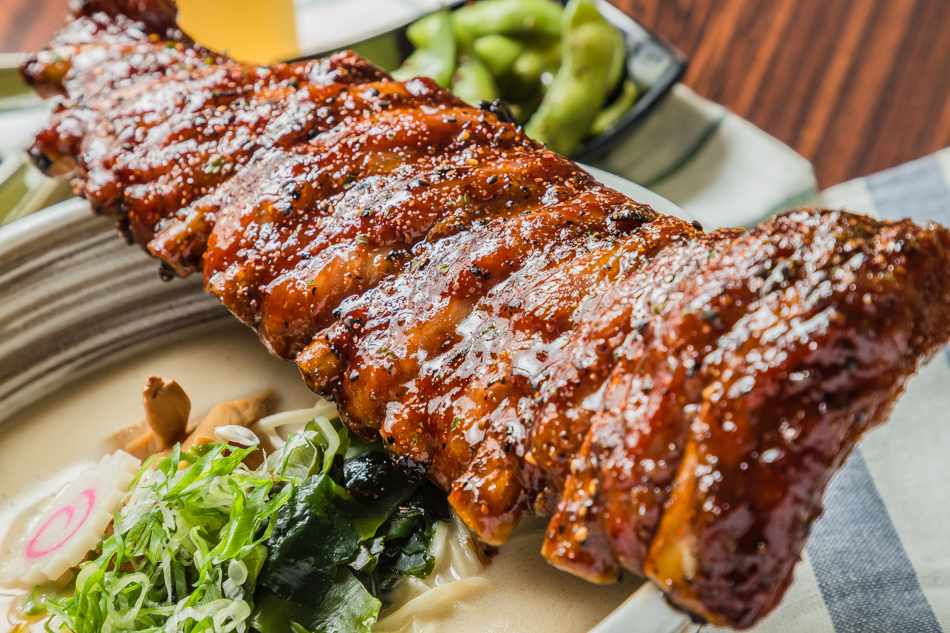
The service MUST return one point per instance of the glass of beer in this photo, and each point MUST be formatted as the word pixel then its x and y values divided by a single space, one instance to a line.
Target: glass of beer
pixel 258 31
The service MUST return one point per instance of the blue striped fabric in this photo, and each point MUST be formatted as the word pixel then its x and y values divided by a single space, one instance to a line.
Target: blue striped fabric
pixel 916 190
pixel 864 574
pixel 861 564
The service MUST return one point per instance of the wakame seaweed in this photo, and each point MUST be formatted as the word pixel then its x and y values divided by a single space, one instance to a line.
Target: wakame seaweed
pixel 308 542
pixel 353 526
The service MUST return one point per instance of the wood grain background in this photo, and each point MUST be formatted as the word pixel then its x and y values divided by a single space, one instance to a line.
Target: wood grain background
pixel 855 86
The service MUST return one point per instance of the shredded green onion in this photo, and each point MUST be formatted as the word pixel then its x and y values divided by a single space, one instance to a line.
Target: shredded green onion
pixel 309 541
pixel 185 552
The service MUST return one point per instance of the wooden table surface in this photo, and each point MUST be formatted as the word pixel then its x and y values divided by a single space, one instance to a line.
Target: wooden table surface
pixel 855 86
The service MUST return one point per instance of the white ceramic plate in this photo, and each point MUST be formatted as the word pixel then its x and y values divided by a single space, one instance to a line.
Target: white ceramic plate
pixel 76 301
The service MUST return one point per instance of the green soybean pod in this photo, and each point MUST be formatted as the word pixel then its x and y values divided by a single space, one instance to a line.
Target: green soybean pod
pixel 473 82
pixel 522 86
pixel 438 58
pixel 524 82
pixel 618 62
pixel 587 74
pixel 614 111
pixel 511 17
pixel 423 31
pixel 498 52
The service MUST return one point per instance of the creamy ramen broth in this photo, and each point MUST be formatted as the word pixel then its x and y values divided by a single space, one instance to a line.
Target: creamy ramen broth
pixel 50 444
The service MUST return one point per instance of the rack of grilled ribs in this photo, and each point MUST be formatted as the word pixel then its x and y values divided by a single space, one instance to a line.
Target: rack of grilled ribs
pixel 527 338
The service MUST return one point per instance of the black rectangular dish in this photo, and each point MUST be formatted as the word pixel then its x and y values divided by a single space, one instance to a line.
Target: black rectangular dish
pixel 652 63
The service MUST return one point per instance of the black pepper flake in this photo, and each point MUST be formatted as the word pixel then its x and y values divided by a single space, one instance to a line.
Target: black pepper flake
pixel 166 272
pixel 478 272
pixel 498 107
pixel 711 316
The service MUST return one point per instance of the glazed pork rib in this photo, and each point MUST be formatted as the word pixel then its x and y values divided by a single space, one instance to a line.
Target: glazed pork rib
pixel 527 338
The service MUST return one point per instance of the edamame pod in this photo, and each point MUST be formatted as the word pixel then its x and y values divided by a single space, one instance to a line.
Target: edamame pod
pixel 590 47
pixel 511 17
pixel 609 116
pixel 524 80
pixel 437 59
pixel 618 62
pixel 473 82
pixel 422 31
pixel 525 83
pixel 498 52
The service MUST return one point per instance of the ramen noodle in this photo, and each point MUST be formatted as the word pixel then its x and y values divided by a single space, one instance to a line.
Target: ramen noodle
pixel 515 591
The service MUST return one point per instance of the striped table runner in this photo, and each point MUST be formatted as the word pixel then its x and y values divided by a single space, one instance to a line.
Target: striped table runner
pixel 878 560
